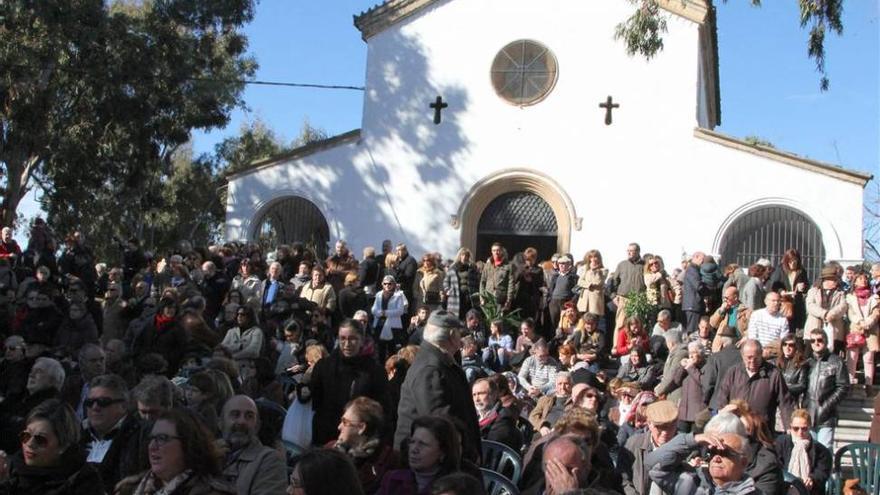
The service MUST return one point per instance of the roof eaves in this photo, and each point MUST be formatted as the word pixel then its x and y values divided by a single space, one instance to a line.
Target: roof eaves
pixel 840 173
pixel 296 153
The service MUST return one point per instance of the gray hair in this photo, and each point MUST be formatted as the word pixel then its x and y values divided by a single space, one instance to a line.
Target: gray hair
pixel 664 314
pixel 360 314
pixel 672 336
pixel 696 346
pixel 562 374
pixel 751 342
pixel 369 252
pixel 114 383
pixel 14 341
pixel 86 348
pixel 54 370
pixel 726 422
pixel 437 335
pixel 154 390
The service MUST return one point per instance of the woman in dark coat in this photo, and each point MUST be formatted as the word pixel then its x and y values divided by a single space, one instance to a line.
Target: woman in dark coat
pixel 791 279
pixel 361 439
pixel 814 469
pixel 529 282
pixel 50 461
pixel 793 365
pixel 163 334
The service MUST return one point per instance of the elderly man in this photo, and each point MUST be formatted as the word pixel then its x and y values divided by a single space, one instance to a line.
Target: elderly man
pixel 757 382
pixel 91 362
pixel 692 296
pixel 566 466
pixel 632 461
pixel 497 423
pixel 214 286
pixel 113 438
pixel 254 468
pixel 664 324
pixel 272 287
pixel 435 384
pixel 719 363
pixel 768 324
pixel 550 408
pixel 340 263
pixel 725 471
pixel 44 382
pixel 561 288
pixel 731 314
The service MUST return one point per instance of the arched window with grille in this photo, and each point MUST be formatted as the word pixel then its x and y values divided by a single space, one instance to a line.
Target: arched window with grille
pixel 293 219
pixel 767 232
pixel 518 220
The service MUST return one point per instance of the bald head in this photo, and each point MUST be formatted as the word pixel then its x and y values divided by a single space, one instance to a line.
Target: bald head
pixel 240 421
pixel 570 452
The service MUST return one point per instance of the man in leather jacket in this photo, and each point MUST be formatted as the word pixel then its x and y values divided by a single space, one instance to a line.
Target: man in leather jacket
pixel 827 384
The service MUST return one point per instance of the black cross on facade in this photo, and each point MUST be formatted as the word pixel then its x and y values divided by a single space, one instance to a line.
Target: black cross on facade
pixel 438 107
pixel 608 106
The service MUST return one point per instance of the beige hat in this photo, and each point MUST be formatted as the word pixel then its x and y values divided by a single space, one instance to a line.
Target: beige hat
pixel 662 412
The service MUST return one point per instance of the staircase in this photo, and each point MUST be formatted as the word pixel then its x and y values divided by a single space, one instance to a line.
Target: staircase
pixel 854 425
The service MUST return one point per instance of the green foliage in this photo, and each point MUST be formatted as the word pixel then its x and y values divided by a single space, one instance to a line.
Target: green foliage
pixel 493 311
pixel 637 304
pixel 758 141
pixel 643 32
pixel 96 98
pixel 255 141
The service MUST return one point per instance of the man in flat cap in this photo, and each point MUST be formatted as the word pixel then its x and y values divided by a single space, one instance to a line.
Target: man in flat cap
pixel 436 384
pixel 662 425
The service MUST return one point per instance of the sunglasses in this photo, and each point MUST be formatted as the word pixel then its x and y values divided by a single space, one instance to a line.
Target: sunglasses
pixel 590 396
pixel 788 344
pixel 817 341
pixel 161 439
pixel 40 441
pixel 346 423
pixel 101 402
pixel 727 453
pixel 800 428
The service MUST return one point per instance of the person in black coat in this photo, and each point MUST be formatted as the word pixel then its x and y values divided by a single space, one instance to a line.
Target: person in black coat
pixel 436 385
pixel 497 423
pixel 815 470
pixel 50 462
pixel 162 334
pixel 405 272
pixel 341 377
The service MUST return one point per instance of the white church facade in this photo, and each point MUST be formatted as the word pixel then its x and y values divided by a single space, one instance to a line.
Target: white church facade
pixel 547 134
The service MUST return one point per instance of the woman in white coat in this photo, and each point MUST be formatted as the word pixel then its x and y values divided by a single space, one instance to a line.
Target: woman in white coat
pixel 864 315
pixel 389 306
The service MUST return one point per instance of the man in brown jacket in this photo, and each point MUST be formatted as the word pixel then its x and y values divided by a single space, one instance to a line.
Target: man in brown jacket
pixel 731 314
pixel 757 382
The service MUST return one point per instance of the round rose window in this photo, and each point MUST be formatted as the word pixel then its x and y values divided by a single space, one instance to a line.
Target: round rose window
pixel 524 72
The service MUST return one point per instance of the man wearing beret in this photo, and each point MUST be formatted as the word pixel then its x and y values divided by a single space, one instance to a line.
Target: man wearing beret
pixel 662 426
pixel 436 385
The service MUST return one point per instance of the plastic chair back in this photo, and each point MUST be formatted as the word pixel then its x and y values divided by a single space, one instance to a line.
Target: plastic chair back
pixel 791 481
pixel 865 465
pixel 497 484
pixel 502 459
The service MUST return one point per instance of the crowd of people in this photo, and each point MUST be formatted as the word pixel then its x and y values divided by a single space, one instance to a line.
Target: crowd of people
pixel 227 369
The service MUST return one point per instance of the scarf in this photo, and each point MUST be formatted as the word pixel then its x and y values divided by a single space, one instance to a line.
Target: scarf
pixel 497 261
pixel 490 417
pixel 799 465
pixel 150 484
pixel 163 322
pixel 862 294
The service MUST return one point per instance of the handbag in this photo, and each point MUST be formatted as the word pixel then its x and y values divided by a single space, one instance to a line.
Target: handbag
pixel 854 340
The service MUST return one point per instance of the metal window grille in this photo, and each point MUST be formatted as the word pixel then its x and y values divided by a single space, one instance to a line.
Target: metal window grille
pixel 291 220
pixel 518 220
pixel 768 232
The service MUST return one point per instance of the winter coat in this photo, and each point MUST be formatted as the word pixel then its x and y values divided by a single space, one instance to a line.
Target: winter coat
pixel 335 381
pixel 673 475
pixel 351 300
pixel 405 275
pixel 197 485
pixel 827 385
pixel 257 470
pixel 170 342
pixel 780 281
pixel 402 482
pixel 818 307
pixel 692 297
pixel 530 286
pixel 500 426
pixel 397 307
pixel 819 456
pixel 658 289
pixel 865 318
pixel 248 286
pixel 765 391
pixel 452 287
pixel 127 454
pixel 631 464
pixel 40 325
pixel 719 321
pixel 795 378
pixel 716 367
pixel 498 281
pixel 592 298
pixel 73 334
pixel 670 368
pixel 629 277
pixel 691 392
pixel 371 459
pixel 427 287
pixel 72 476
pixel 435 384
pixel 324 296
pixel 246 344
pixel 370 275
pixel 753 293
pixel 765 468
pixel 338 267
pixel 645 375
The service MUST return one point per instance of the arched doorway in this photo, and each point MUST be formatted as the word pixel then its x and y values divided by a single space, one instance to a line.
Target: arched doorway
pixel 293 219
pixel 518 220
pixel 766 232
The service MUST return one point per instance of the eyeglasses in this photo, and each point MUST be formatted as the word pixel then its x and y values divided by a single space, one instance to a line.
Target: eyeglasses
pixel 348 423
pixel 161 439
pixel 101 402
pixel 788 344
pixel 388 284
pixel 728 453
pixel 800 428
pixel 589 396
pixel 241 313
pixel 40 441
pixel 817 341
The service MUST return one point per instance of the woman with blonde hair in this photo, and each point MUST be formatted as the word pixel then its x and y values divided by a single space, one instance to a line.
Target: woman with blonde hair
pixel 864 315
pixel 592 284
pixel 428 284
pixel 659 289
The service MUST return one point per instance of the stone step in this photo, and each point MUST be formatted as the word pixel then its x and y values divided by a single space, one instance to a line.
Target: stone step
pixel 852 434
pixel 855 410
pixel 853 423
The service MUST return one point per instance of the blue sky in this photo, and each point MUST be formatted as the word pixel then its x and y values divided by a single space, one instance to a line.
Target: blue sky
pixel 769 87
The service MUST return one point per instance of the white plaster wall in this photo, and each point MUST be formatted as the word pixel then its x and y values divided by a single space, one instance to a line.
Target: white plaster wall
pixel 645 178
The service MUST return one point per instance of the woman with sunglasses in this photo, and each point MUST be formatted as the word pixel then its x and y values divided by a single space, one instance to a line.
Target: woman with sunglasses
pixel 792 363
pixel 183 460
pixel 801 456
pixel 360 438
pixel 51 460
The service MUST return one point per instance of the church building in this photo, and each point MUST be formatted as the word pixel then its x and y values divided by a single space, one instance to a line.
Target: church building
pixel 526 122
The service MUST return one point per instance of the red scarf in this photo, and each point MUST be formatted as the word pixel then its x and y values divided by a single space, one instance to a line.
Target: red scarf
pixel 862 294
pixel 489 419
pixel 163 322
pixel 497 261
